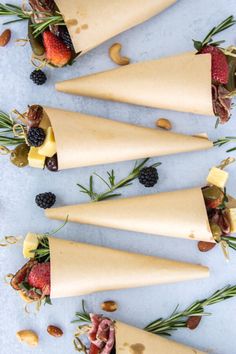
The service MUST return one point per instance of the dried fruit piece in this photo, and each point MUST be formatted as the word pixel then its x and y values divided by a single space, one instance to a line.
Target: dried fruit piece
pixel 54 331
pixel 205 246
pixel 34 116
pixel 52 163
pixel 5 37
pixel 115 55
pixel 164 124
pixel 109 306
pixel 29 337
pixel 193 322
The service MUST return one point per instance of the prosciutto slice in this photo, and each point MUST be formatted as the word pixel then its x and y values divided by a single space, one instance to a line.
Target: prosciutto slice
pixel 101 335
pixel 221 103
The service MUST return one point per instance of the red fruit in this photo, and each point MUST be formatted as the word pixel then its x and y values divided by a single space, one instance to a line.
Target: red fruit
pixel 57 52
pixel 220 67
pixel 93 349
pixel 39 277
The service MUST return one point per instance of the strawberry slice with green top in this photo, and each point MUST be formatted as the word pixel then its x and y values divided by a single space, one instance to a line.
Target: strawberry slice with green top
pixel 57 53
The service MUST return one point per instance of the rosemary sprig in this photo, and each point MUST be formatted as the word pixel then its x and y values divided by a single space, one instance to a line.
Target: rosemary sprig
pixel 208 40
pixel 7 137
pixel 13 10
pixel 179 319
pixel 111 183
pixel 222 141
pixel 47 21
pixel 230 241
pixel 82 316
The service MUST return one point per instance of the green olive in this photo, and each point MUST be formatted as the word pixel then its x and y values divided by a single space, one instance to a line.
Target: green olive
pixel 19 156
pixel 36 43
pixel 212 193
pixel 216 232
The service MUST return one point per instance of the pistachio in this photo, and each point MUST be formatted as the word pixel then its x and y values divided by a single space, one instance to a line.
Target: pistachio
pixel 164 124
pixel 54 331
pixel 29 337
pixel 115 55
pixel 205 246
pixel 109 306
pixel 193 322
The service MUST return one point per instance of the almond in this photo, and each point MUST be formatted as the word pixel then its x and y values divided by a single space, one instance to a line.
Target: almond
pixel 5 37
pixel 54 331
pixel 193 322
pixel 205 246
pixel 164 124
pixel 109 306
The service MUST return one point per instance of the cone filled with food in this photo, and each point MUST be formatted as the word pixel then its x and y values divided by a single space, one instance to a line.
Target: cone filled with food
pixel 60 30
pixel 206 214
pixel 61 140
pixel 202 82
pixel 53 266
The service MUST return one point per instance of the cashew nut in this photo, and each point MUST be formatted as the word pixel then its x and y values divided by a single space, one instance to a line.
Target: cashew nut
pixel 29 337
pixel 115 55
pixel 164 124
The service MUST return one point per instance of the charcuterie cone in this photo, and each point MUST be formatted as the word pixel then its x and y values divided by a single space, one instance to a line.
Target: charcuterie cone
pixel 78 269
pixel 131 340
pixel 181 83
pixel 84 140
pixel 91 23
pixel 179 214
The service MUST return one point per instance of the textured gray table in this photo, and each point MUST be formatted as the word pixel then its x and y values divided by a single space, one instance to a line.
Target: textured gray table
pixel 167 34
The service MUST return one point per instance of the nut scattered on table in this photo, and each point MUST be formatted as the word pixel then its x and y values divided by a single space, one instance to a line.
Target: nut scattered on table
pixel 164 124
pixel 5 37
pixel 109 306
pixel 193 322
pixel 115 55
pixel 54 331
pixel 29 337
pixel 205 246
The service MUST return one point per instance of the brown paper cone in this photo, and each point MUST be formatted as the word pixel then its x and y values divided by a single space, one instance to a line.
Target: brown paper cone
pixel 181 83
pixel 93 22
pixel 84 140
pixel 131 340
pixel 78 269
pixel 179 214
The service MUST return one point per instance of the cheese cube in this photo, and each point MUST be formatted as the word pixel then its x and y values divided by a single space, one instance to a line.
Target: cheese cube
pixel 217 177
pixel 232 219
pixel 49 146
pixel 35 159
pixel 45 122
pixel 30 244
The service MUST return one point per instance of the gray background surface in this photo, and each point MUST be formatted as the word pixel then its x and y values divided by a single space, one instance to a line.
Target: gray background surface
pixel 166 34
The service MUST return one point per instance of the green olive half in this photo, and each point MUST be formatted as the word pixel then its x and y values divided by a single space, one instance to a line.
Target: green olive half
pixel 19 156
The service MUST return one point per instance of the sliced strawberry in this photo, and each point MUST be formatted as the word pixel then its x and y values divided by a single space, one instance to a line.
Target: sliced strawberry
pixel 39 277
pixel 220 67
pixel 57 53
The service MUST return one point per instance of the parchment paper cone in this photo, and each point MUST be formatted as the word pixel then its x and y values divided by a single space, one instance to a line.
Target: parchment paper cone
pixel 92 22
pixel 179 214
pixel 179 83
pixel 84 140
pixel 131 340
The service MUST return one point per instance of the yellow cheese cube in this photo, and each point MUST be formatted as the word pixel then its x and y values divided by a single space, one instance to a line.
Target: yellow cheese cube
pixel 35 159
pixel 45 122
pixel 30 244
pixel 232 219
pixel 49 146
pixel 217 177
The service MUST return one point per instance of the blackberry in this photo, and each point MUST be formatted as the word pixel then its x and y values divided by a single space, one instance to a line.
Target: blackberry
pixel 45 200
pixel 38 77
pixel 36 136
pixel 148 176
pixel 65 37
pixel 52 163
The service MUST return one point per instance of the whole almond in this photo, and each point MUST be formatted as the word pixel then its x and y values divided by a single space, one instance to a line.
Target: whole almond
pixel 55 331
pixel 109 306
pixel 205 246
pixel 164 124
pixel 193 322
pixel 5 37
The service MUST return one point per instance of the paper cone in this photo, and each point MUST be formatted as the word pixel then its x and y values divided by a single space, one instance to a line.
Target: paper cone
pixel 84 140
pixel 131 340
pixel 92 22
pixel 179 214
pixel 181 83
pixel 78 269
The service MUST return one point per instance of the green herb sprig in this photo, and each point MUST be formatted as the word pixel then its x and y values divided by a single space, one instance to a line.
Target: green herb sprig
pixel 47 21
pixel 111 183
pixel 13 10
pixel 7 137
pixel 226 140
pixel 208 40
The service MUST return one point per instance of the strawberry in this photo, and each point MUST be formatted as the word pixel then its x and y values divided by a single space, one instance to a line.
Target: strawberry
pixel 220 67
pixel 39 277
pixel 57 53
